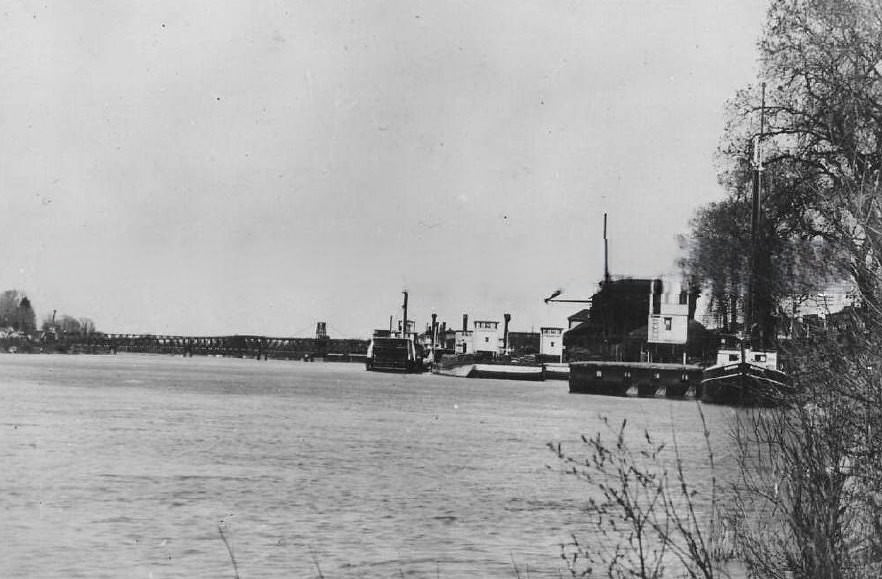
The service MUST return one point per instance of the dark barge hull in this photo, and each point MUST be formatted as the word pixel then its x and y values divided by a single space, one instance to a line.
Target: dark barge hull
pixel 404 367
pixel 387 354
pixel 645 379
pixel 744 384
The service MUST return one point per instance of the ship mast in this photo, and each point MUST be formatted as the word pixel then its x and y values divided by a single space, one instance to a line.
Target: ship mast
pixel 750 318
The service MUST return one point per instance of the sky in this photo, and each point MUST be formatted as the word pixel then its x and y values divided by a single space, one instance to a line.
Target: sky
pixel 221 167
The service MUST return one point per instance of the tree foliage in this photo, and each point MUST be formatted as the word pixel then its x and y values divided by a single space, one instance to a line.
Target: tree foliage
pixel 809 499
pixel 16 312
pixel 822 64
pixel 822 142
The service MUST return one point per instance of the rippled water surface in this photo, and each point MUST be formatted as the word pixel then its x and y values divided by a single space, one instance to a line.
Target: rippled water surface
pixel 125 466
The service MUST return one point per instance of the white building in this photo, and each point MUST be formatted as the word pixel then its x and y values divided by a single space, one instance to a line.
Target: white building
pixel 668 315
pixel 551 342
pixel 463 342
pixel 485 337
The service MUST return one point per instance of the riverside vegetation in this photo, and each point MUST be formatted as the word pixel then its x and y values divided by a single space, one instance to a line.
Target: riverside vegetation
pixel 18 326
pixel 807 501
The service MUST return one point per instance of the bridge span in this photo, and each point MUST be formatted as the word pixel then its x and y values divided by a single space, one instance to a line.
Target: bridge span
pixel 240 346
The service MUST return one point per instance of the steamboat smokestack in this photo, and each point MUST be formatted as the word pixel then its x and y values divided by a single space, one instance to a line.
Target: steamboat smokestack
pixel 404 325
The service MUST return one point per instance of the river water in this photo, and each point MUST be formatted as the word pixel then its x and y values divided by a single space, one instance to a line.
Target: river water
pixel 127 466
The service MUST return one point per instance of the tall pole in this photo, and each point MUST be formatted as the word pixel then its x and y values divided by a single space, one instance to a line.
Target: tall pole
pixel 755 215
pixel 605 253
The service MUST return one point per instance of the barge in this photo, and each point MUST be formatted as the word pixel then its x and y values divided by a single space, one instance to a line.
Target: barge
pixel 749 375
pixel 744 377
pixel 644 379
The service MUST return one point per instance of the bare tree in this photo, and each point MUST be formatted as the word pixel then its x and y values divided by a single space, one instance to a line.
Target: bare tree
pixel 648 521
pixel 69 325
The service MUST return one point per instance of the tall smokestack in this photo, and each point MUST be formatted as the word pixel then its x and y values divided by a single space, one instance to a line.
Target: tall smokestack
pixel 507 318
pixel 465 322
pixel 404 326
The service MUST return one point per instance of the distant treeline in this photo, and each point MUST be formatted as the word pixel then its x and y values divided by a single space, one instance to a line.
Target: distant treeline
pixel 17 319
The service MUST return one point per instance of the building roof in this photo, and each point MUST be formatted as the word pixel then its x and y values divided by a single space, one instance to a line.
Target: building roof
pixel 581 316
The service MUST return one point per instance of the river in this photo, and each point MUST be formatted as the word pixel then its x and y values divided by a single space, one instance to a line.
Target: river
pixel 126 466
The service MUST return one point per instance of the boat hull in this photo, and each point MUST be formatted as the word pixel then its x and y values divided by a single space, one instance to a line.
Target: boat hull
pixel 643 379
pixel 556 371
pixel 744 384
pixel 387 354
pixel 507 372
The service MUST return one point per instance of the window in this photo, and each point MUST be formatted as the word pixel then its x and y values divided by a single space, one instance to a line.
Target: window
pixel 552 344
pixel 668 322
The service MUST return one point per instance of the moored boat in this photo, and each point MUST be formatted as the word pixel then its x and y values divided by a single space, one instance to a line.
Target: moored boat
pixel 556 371
pixel 507 372
pixel 468 366
pixel 395 352
pixel 390 354
pixel 745 378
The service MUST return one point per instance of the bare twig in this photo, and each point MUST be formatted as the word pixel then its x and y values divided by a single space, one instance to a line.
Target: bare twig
pixel 229 546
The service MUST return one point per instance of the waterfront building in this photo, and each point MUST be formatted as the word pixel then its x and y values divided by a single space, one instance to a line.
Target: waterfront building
pixel 485 337
pixel 463 342
pixel 551 343
pixel 616 327
pixel 668 315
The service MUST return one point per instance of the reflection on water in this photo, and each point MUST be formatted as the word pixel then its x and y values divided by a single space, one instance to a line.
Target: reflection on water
pixel 125 466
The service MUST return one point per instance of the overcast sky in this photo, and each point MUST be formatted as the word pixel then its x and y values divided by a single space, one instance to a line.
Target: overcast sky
pixel 231 166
